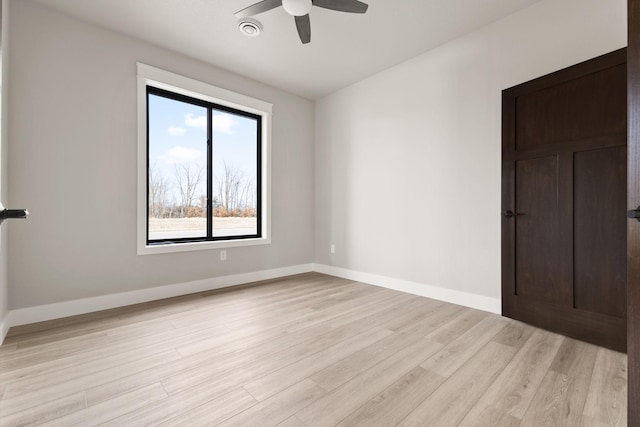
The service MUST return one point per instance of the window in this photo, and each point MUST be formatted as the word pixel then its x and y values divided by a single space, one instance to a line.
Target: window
pixel 203 165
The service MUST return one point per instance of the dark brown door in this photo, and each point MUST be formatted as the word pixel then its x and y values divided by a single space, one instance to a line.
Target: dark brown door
pixel 633 226
pixel 564 225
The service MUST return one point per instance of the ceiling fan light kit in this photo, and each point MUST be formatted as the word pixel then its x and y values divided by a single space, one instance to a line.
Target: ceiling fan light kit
pixel 300 9
pixel 297 7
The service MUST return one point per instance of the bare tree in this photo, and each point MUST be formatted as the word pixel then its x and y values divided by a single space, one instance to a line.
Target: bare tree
pixel 235 193
pixel 228 187
pixel 158 188
pixel 188 177
pixel 248 195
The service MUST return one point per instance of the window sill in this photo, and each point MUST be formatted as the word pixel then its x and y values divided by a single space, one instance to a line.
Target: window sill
pixel 200 246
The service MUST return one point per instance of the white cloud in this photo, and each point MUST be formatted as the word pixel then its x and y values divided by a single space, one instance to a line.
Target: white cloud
pixel 179 154
pixel 195 121
pixel 176 131
pixel 224 123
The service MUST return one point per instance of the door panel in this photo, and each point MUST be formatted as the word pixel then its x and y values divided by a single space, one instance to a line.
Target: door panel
pixel 539 274
pixel 600 231
pixel 580 108
pixel 564 168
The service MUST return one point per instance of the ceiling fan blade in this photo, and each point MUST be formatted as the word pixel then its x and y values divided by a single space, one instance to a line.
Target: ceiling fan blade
pixel 304 28
pixel 257 8
pixel 352 6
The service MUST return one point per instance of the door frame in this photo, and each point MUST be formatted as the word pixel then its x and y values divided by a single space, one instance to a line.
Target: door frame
pixel 633 228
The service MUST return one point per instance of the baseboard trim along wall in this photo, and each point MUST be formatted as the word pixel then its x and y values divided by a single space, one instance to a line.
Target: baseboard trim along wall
pixel 480 302
pixel 41 313
pixel 4 327
pixel 24 316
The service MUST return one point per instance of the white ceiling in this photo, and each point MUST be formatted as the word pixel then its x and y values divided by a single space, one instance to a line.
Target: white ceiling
pixel 344 48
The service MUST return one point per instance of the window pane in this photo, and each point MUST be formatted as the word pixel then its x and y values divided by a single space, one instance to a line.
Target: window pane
pixel 235 166
pixel 177 169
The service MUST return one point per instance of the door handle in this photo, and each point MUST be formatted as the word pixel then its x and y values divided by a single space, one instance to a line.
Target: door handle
pixel 511 214
pixel 634 213
pixel 12 214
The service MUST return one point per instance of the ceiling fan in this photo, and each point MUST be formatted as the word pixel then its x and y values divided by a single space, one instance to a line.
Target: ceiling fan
pixel 299 9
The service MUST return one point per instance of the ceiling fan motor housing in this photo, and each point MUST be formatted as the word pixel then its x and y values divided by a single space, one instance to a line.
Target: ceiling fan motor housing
pixel 297 7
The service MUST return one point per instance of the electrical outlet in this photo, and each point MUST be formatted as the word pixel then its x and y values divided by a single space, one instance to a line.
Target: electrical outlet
pixel 332 248
pixel 223 255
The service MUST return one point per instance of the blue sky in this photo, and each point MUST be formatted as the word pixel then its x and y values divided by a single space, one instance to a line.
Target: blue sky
pixel 178 136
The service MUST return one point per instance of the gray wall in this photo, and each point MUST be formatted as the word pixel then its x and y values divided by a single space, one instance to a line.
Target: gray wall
pixel 73 164
pixel 408 162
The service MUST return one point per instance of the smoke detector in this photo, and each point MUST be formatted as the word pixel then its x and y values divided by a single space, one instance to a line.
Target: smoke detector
pixel 250 27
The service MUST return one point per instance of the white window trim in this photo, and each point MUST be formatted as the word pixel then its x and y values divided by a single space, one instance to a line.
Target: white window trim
pixel 148 75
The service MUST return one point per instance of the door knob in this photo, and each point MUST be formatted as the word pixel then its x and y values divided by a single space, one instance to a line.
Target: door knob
pixel 511 214
pixel 634 213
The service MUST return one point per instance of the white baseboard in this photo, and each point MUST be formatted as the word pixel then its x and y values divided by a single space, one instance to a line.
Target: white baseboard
pixel 4 327
pixel 480 302
pixel 42 313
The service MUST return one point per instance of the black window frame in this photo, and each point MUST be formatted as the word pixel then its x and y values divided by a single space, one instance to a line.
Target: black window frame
pixel 210 106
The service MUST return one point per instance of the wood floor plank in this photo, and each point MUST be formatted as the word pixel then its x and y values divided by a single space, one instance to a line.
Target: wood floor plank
pixel 83 363
pixel 403 313
pixel 36 395
pixel 209 340
pixel 225 359
pixel 104 345
pixel 204 405
pixel 92 321
pixel 483 415
pixel 175 405
pixel 341 296
pixel 341 402
pixel 108 326
pixel 340 372
pixel 457 352
pixel 292 422
pixel 358 313
pixel 105 411
pixel 127 362
pixel 515 334
pixel 108 349
pixel 279 407
pixel 452 330
pixel 37 414
pixel 281 354
pixel 563 392
pixel 350 310
pixel 587 421
pixel 449 404
pixel 239 309
pixel 338 316
pixel 266 386
pixel 7 348
pixel 514 389
pixel 212 412
pixel 396 402
pixel 607 398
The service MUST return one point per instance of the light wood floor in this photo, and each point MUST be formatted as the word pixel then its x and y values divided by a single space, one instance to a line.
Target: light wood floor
pixel 308 350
